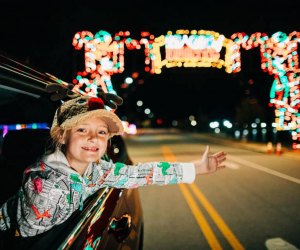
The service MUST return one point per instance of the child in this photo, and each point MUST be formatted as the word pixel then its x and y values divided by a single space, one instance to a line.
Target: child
pixel 58 183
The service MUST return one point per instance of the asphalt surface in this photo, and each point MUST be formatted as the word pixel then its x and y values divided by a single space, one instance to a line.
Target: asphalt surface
pixel 252 204
pixel 262 147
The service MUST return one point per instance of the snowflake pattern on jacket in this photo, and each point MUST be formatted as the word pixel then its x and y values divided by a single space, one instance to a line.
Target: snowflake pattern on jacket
pixel 52 191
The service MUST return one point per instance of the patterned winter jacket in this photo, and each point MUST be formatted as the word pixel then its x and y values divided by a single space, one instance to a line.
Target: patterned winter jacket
pixel 52 190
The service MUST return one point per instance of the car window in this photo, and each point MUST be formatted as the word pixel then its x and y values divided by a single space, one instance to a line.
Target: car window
pixel 24 101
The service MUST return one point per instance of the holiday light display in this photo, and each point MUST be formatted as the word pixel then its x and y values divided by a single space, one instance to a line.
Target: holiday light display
pixel 104 56
pixel 279 57
pixel 191 49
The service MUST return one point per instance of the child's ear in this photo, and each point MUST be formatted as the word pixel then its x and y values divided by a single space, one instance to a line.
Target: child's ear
pixel 62 138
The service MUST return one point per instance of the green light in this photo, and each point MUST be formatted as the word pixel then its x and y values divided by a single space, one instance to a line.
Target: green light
pixel 88 38
pixel 102 35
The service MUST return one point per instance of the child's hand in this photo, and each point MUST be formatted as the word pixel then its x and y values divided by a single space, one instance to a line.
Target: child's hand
pixel 210 163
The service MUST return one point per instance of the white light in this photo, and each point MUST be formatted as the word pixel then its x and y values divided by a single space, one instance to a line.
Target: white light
pixel 217 130
pixel 147 111
pixel 214 124
pixel 106 64
pixel 254 125
pixel 257 120
pixel 193 123
pixel 132 129
pixel 139 103
pixel 227 124
pixel 191 117
pixel 245 132
pixel 237 134
pixel 263 125
pixel 128 80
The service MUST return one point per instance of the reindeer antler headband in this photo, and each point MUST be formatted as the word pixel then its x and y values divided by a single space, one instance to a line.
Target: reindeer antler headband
pixel 61 92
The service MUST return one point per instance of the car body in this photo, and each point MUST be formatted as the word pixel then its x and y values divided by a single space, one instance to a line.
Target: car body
pixel 110 219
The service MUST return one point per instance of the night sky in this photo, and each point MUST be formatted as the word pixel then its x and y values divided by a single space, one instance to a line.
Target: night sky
pixel 40 33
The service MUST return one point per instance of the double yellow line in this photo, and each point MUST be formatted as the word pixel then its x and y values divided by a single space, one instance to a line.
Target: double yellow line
pixel 200 218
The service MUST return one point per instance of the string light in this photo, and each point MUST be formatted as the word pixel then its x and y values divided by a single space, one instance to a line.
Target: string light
pixel 6 128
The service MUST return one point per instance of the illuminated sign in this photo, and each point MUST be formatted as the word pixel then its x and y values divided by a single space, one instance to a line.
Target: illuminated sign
pixel 191 49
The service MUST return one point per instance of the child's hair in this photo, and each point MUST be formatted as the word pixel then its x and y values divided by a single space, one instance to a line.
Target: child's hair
pixel 56 136
pixel 81 108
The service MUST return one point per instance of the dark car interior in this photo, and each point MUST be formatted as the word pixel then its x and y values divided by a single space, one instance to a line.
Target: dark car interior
pixel 20 148
pixel 24 104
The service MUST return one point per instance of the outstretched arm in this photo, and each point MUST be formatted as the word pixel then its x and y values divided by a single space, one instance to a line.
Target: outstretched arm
pixel 120 175
pixel 210 163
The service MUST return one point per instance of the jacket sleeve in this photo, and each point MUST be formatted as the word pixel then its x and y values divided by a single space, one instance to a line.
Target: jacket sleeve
pixel 46 199
pixel 119 175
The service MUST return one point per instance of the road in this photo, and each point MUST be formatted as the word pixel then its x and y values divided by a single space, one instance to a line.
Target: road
pixel 254 203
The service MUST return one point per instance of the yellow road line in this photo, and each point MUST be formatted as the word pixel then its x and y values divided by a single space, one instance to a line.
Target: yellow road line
pixel 204 226
pixel 228 234
pixel 169 156
pixel 202 222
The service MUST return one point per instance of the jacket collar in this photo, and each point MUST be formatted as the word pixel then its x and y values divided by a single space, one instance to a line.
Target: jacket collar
pixel 58 160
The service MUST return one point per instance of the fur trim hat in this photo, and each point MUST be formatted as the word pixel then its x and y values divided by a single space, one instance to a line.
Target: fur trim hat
pixel 81 108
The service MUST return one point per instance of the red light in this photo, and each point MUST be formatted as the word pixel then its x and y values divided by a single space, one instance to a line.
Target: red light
pixel 124 86
pixel 159 121
pixel 250 81
pixel 145 33
pixel 135 75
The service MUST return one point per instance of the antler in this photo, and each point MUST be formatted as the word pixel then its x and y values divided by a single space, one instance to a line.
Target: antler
pixel 61 92
pixel 110 100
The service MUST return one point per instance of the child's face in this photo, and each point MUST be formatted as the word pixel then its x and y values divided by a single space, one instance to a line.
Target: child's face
pixel 87 142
